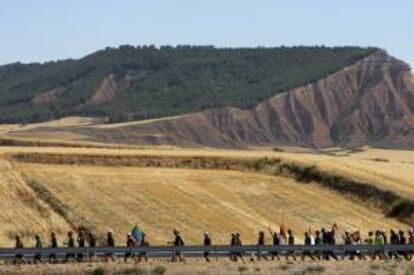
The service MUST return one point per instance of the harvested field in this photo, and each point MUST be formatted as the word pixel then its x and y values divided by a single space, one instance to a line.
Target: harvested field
pixel 195 201
pixel 392 203
pixel 106 186
pixel 22 211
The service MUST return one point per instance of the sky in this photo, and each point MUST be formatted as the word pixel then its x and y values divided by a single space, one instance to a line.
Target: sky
pixel 45 30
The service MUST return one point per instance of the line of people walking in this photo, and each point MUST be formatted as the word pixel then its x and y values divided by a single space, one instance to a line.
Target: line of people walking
pixel 137 238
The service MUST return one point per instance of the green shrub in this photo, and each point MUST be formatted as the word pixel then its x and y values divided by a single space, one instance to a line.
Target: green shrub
pixel 277 149
pixel 134 271
pixel 284 266
pixel 158 270
pixel 99 271
pixel 410 270
pixel 316 268
pixel 242 269
pixel 374 266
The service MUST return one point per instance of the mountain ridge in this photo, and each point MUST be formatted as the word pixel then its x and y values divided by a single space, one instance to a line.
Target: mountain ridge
pixel 134 83
pixel 368 103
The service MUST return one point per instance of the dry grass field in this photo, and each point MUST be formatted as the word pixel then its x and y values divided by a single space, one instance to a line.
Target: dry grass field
pixel 194 201
pixel 390 169
pixel 21 211
pixel 114 196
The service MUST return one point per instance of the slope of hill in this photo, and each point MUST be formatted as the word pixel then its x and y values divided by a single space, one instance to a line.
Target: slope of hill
pixel 51 188
pixel 22 212
pixel 146 82
pixel 195 201
pixel 371 102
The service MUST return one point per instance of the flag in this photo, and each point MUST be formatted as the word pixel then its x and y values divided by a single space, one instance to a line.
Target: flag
pixel 137 233
pixel 282 230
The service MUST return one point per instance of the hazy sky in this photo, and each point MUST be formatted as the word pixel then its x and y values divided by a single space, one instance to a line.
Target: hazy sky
pixel 42 30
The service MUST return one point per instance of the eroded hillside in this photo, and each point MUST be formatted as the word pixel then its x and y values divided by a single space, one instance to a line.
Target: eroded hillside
pixel 371 102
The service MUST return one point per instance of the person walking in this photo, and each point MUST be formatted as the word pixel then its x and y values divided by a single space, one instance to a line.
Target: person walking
pixel 239 243
pixel 233 241
pixel 357 240
pixel 71 244
pixel 18 259
pixel 143 243
pixel 403 240
pixel 307 242
pixel 261 242
pixel 394 239
pixel 378 243
pixel 411 236
pixel 92 245
pixel 130 243
pixel 275 242
pixel 328 238
pixel 38 245
pixel 81 244
pixel 411 240
pixel 207 243
pixel 318 241
pixel 291 241
pixel 370 241
pixel 347 241
pixel 53 245
pixel 178 244
pixel 110 242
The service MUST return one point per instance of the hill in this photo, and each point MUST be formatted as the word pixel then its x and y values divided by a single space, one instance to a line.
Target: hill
pixel 128 82
pixel 368 103
pixel 56 188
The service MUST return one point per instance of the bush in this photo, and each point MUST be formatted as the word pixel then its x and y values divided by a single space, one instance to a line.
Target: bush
pixel 134 271
pixel 410 270
pixel 277 149
pixel 374 266
pixel 284 267
pixel 158 270
pixel 242 269
pixel 316 268
pixel 99 271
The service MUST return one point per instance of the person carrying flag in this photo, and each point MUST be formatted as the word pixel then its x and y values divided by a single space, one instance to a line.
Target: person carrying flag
pixel 140 238
pixel 275 241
